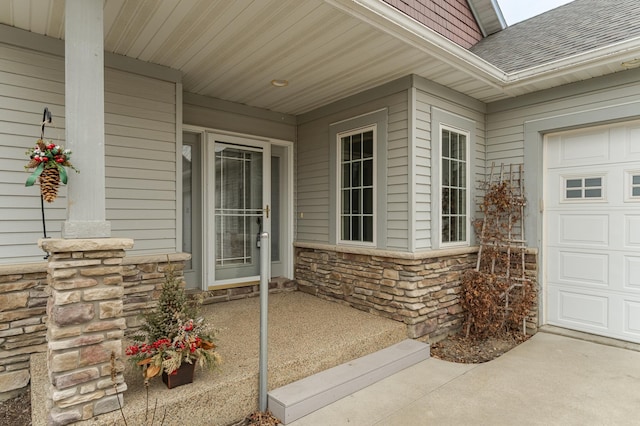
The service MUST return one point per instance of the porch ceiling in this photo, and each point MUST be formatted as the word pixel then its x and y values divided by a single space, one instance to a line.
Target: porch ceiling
pixel 326 49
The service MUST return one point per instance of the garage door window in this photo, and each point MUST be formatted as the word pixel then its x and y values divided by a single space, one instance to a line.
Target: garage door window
pixel 581 188
pixel 635 186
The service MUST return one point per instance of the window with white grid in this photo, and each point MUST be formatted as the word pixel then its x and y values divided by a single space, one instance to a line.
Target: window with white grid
pixel 357 185
pixel 454 186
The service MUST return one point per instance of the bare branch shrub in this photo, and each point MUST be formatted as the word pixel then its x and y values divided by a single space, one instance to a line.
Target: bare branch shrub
pixel 497 296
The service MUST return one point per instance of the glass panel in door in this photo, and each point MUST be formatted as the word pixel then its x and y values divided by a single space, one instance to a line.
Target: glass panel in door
pixel 238 211
pixel 192 208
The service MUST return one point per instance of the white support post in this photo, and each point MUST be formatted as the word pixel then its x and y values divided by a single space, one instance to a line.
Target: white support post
pixel 84 111
pixel 265 273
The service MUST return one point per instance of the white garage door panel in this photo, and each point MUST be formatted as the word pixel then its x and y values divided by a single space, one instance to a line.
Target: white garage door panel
pixel 583 268
pixel 632 230
pixel 632 273
pixel 632 317
pixel 583 309
pixel 583 229
pixel 592 245
pixel 613 315
pixel 632 146
pixel 585 148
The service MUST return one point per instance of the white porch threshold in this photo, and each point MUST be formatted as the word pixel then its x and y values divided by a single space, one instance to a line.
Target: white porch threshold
pixel 300 398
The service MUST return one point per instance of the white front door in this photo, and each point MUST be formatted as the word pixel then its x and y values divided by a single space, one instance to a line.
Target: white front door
pixel 592 230
pixel 241 209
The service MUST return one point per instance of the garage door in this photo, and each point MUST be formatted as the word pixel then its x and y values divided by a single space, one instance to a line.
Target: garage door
pixel 592 230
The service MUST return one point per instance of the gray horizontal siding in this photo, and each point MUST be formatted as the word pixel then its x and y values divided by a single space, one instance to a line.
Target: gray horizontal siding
pixel 140 155
pixel 422 172
pixel 428 96
pixel 312 170
pixel 222 115
pixel 313 165
pixel 140 131
pixel 515 127
pixel 25 89
pixel 398 173
pixel 506 119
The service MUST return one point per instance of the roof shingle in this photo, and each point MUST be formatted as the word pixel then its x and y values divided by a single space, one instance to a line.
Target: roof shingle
pixel 577 27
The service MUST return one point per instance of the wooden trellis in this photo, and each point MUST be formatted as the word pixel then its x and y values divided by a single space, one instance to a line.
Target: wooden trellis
pixel 502 244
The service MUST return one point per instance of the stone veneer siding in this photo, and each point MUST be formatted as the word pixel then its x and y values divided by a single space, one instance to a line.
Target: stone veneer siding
pixel 23 300
pixel 277 285
pixel 421 290
pixel 85 327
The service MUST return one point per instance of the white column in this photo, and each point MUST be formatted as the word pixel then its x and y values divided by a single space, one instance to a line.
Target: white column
pixel 84 110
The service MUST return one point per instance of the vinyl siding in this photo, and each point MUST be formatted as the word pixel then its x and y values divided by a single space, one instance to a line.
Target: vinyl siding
pixel 515 128
pixel 313 168
pixel 398 173
pixel 140 149
pixel 422 172
pixel 506 120
pixel 221 115
pixel 429 96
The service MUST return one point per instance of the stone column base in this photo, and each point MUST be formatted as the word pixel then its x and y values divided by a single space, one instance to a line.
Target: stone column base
pixel 85 327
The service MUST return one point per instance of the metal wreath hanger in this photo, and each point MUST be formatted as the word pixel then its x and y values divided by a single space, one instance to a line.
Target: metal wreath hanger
pixel 46 119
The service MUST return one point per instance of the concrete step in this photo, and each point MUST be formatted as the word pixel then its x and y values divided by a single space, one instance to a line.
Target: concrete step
pixel 300 398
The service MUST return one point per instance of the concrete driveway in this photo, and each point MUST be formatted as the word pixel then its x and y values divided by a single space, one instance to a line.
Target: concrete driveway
pixel 548 380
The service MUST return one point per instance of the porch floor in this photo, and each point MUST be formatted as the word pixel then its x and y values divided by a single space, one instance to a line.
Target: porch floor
pixel 306 335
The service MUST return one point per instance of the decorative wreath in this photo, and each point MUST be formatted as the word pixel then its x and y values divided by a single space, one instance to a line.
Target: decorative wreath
pixel 49 161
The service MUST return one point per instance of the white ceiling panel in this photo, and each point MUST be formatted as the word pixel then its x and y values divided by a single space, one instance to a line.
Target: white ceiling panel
pixel 326 49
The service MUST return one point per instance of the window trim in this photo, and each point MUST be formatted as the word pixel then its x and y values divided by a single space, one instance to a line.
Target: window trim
pixel 468 166
pixel 563 188
pixel 338 164
pixel 628 186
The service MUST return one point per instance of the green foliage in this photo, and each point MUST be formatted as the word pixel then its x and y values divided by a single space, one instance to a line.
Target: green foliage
pixel 173 333
pixel 174 308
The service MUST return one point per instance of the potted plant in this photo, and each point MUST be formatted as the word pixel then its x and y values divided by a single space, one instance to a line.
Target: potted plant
pixel 173 337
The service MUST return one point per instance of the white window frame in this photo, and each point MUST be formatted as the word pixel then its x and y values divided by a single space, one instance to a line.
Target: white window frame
pixel 468 188
pixel 628 187
pixel 339 136
pixel 583 177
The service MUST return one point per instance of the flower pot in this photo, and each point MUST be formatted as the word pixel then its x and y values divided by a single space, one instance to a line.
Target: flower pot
pixel 181 376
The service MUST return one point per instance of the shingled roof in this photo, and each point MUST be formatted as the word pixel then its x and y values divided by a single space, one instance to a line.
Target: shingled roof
pixel 577 27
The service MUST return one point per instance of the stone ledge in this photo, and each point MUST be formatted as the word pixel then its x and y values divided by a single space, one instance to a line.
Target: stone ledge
pixel 23 268
pixel 156 258
pixel 29 268
pixel 84 244
pixel 387 253
pixel 428 254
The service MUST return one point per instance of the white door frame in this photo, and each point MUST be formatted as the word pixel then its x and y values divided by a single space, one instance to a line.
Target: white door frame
pixel 207 278
pixel 249 144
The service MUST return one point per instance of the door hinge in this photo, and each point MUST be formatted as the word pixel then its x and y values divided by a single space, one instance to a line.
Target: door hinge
pixel 266 210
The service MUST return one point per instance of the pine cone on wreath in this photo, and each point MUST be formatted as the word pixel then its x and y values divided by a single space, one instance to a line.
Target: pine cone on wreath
pixel 49 161
pixel 49 181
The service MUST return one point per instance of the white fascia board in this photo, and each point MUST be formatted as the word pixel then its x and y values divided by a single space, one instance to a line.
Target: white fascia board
pixel 617 52
pixel 390 20
pixel 495 22
pixel 395 23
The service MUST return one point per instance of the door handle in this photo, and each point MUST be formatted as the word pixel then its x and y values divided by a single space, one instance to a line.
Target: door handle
pixel 266 210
